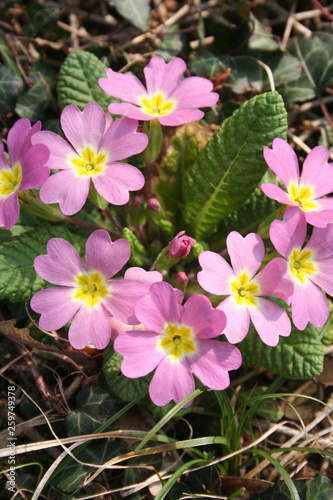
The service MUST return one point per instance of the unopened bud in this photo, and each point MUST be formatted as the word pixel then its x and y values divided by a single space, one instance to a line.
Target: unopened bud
pixel 180 246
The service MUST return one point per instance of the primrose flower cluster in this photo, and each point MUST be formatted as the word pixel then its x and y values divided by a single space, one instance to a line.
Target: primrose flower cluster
pixel 151 325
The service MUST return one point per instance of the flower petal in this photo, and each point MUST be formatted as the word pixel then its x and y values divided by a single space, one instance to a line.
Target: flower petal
pixel 194 92
pixel 289 233
pixel 216 273
pixel 214 361
pixel 83 127
pixel 9 210
pixel 270 321
pixel 122 299
pixel 123 140
pixel 66 189
pixel 246 254
pixel 238 320
pixel 148 277
pixel 90 325
pixel 140 351
pixel 61 263
pixel 34 169
pixel 159 307
pixel 321 242
pixel 199 315
pixel 125 87
pixel 308 304
pixel 321 218
pixel 162 77
pixel 317 173
pixel 171 380
pixel 276 193
pixel 106 256
pixel 282 159
pixel 181 116
pixel 19 138
pixel 56 306
pixel 324 275
pixel 129 110
pixel 271 281
pixel 117 181
pixel 60 150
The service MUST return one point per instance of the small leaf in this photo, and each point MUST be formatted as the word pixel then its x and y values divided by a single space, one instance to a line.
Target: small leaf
pixel 31 104
pixel 230 166
pixel 8 60
pixel 137 248
pixel 280 491
pixel 320 487
pixel 18 278
pixel 127 389
pixel 299 356
pixel 136 12
pixel 10 87
pixel 78 81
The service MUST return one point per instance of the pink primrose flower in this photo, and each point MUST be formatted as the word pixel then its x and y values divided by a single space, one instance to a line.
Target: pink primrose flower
pixel 86 291
pixel 180 246
pixel 245 288
pixel 25 170
pixel 309 267
pixel 166 98
pixel 304 191
pixel 177 341
pixel 98 143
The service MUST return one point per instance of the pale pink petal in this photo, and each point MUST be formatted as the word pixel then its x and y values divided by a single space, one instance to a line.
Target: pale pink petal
pixel 104 256
pixel 9 210
pixel 60 150
pixel 271 282
pixel 34 169
pixel 148 277
pixel 140 351
pixel 289 233
pixel 276 193
pixel 283 160
pixel 216 273
pixel 246 254
pixel 61 263
pixel 317 173
pixel 202 318
pixel 56 306
pixel 172 380
pixel 322 218
pixel 194 92
pixel 118 327
pixel 238 320
pixel 321 242
pixel 162 77
pixel 323 277
pixel 66 189
pixel 90 325
pixel 123 140
pixel 270 321
pixel 129 110
pixel 123 296
pixel 3 160
pixel 116 182
pixel 19 139
pixel 125 87
pixel 85 127
pixel 160 307
pixel 181 116
pixel 214 361
pixel 309 304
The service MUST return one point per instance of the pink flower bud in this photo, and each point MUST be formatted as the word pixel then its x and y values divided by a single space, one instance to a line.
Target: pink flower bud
pixel 180 246
pixel 153 205
pixel 180 279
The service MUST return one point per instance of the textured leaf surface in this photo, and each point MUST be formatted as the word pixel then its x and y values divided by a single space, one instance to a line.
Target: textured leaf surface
pixel 125 388
pixel 230 166
pixel 299 356
pixel 319 488
pixel 78 81
pixel 18 279
pixel 10 87
pixel 280 491
pixel 136 12
pixel 31 104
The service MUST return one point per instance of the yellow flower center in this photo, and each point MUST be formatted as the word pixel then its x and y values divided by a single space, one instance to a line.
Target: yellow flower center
pixel 91 288
pixel 178 340
pixel 300 265
pixel 157 105
pixel 90 163
pixel 10 180
pixel 244 290
pixel 302 196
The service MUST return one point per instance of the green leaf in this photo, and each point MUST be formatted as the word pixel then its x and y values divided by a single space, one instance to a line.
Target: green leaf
pixel 299 356
pixel 230 166
pixel 280 491
pixel 136 12
pixel 137 248
pixel 78 81
pixel 319 488
pixel 95 406
pixel 10 87
pixel 170 45
pixel 8 60
pixel 125 388
pixel 18 279
pixel 31 104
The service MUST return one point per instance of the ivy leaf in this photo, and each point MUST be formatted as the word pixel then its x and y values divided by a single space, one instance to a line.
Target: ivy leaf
pixel 10 87
pixel 78 81
pixel 136 12
pixel 299 356
pixel 230 166
pixel 319 487
pixel 18 278
pixel 125 388
pixel 280 491
pixel 31 104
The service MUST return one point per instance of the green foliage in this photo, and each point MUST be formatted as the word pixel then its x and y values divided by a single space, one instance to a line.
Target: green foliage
pixel 10 87
pixel 78 81
pixel 125 388
pixel 319 488
pixel 31 104
pixel 94 407
pixel 299 356
pixel 136 12
pixel 137 248
pixel 18 279
pixel 230 166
